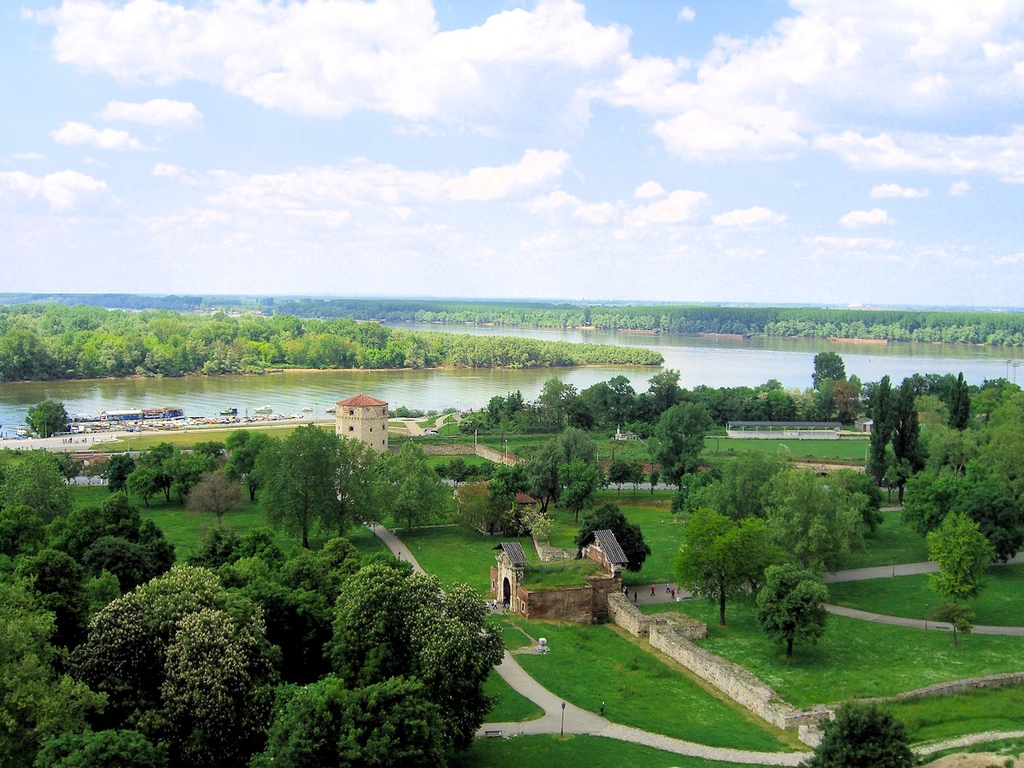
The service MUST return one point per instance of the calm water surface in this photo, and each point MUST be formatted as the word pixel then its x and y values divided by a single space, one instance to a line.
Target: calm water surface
pixel 714 362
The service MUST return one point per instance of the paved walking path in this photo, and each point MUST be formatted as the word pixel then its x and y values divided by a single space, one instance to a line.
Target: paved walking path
pixel 562 717
pixel 573 719
pixel 908 569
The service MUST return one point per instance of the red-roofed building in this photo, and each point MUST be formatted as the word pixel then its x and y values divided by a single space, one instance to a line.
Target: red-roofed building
pixel 363 418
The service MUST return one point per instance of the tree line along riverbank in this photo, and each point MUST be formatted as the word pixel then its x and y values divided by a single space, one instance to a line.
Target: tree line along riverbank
pixel 43 342
pixel 953 326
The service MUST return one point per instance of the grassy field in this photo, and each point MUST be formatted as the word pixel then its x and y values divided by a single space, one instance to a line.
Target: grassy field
pixel 455 554
pixel 185 529
pixel 589 665
pixel 944 717
pixel 854 659
pixel 591 751
pixel 999 603
pixel 512 706
pixel 892 539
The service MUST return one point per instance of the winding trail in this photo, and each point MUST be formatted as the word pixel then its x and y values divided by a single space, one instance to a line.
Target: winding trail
pixel 573 719
pixel 563 717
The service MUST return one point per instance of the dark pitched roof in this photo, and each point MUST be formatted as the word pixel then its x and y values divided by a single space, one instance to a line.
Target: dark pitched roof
pixel 361 401
pixel 609 545
pixel 514 551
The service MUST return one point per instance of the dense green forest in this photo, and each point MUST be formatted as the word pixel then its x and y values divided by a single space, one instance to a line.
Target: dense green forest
pixel 56 341
pixel 955 327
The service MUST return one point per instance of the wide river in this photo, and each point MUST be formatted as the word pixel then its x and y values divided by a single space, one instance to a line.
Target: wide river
pixel 714 362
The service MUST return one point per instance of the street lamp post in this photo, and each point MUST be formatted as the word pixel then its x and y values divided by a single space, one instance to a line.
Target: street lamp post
pixel 561 730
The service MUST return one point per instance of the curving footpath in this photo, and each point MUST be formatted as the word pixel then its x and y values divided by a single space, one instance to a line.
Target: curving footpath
pixel 576 720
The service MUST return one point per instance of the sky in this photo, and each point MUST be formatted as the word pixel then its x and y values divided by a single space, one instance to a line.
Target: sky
pixel 820 152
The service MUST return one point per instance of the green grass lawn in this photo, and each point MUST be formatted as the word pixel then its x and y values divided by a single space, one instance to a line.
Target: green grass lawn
pixel 185 529
pixel 590 751
pixel 854 659
pixel 512 706
pixel 456 554
pixel 892 539
pixel 848 450
pixel 589 665
pixel 999 603
pixel 935 718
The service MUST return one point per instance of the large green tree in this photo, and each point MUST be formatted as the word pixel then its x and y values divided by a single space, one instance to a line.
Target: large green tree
pixel 814 522
pixel 580 482
pixel 963 554
pixel 36 703
pixel 47 418
pixel 186 663
pixel 680 439
pixel 36 482
pixel 244 446
pixel 391 622
pixel 906 437
pixel 720 558
pixel 882 415
pixel 414 493
pixel 301 483
pixel 828 366
pixel 383 724
pixel 863 735
pixel 791 605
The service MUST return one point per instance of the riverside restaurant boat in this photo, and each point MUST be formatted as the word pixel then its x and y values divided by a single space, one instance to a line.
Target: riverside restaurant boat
pixel 228 411
pixel 263 410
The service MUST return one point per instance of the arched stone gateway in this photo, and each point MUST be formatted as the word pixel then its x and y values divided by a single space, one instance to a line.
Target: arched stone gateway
pixel 507 575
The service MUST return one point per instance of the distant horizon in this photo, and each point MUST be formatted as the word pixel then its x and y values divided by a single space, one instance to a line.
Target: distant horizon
pixel 37 295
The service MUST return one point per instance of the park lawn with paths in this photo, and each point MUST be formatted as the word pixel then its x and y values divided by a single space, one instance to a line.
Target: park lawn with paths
pixel 936 718
pixel 457 554
pixel 854 659
pixel 554 750
pixel 893 542
pixel 511 706
pixel 998 604
pixel 592 664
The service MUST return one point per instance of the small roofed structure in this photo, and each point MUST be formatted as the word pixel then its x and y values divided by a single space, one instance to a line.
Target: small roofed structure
pixel 784 430
pixel 603 547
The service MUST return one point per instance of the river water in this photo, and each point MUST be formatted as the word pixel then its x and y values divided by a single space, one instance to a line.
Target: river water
pixel 714 362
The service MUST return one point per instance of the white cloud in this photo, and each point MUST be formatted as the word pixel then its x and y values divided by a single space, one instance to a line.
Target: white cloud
pixel 72 133
pixel 895 190
pixel 757 216
pixel 681 206
pixel 63 190
pixel 858 219
pixel 535 167
pixel 26 156
pixel 702 134
pixel 158 112
pixel 832 60
pixel 936 153
pixel 167 169
pixel 331 58
pixel 687 14
pixel 959 188
pixel 649 189
pixel 1011 259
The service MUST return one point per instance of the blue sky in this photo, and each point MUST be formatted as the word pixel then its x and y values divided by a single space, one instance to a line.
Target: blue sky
pixel 816 151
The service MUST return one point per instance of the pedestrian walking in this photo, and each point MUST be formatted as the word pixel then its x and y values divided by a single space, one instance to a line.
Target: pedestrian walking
pixel 673 593
pixel 652 590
